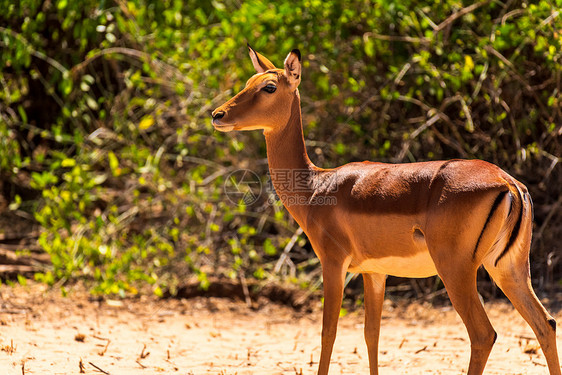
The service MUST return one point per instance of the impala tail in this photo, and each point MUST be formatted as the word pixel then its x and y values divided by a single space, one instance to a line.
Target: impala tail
pixel 514 238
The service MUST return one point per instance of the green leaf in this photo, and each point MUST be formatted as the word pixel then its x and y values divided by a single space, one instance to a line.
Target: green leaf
pixel 146 122
pixel 66 86
pixel 158 292
pixel 92 103
pixel 22 280
pixel 68 163
pixel 62 4
pixel 369 48
pixel 269 248
pixel 113 163
pixel 22 113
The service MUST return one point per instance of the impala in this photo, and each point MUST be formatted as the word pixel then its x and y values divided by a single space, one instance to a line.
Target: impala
pixel 441 218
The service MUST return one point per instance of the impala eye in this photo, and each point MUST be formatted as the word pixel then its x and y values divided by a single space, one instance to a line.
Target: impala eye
pixel 270 88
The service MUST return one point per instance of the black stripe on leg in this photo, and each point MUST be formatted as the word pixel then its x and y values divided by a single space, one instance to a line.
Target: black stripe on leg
pixel 515 231
pixel 497 202
pixel 552 323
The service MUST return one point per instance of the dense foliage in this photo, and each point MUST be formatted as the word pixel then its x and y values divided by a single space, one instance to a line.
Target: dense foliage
pixel 106 141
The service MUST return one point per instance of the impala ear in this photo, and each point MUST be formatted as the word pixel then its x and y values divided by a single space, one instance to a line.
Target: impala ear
pixel 293 68
pixel 261 63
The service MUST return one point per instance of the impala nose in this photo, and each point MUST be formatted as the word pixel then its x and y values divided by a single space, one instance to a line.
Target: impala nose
pixel 218 115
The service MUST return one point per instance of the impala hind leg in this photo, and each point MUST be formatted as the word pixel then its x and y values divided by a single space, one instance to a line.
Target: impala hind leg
pixel 460 283
pixel 515 281
pixel 374 298
pixel 334 278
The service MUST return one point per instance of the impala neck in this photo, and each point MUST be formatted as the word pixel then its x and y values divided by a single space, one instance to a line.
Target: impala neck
pixel 289 164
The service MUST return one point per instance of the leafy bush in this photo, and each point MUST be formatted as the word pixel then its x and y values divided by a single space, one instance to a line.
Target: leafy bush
pixel 104 120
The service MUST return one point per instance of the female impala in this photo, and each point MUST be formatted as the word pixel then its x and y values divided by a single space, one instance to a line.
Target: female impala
pixel 410 220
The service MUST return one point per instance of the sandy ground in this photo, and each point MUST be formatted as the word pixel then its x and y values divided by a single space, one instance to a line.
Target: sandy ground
pixel 43 333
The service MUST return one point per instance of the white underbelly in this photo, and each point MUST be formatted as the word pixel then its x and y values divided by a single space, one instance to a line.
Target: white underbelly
pixel 418 265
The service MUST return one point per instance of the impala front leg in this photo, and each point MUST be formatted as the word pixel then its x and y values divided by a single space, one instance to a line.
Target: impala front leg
pixel 334 277
pixel 374 298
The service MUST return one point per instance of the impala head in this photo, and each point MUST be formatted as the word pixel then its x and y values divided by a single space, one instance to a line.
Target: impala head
pixel 266 101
